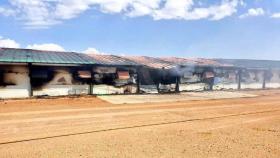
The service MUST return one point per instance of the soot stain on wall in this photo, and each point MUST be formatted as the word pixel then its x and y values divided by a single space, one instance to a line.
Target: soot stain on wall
pixel 6 77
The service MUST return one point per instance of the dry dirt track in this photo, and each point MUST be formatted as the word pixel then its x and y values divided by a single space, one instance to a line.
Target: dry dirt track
pixel 88 127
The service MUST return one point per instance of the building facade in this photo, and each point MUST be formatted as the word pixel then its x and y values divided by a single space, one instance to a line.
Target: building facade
pixel 27 73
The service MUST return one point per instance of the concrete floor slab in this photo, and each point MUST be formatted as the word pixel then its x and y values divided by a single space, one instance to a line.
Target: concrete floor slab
pixel 187 96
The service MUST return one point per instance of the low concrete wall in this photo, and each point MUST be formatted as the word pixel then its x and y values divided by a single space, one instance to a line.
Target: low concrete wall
pixel 107 89
pixel 149 89
pixel 251 85
pixel 193 87
pixel 225 86
pixel 167 88
pixel 15 82
pixel 272 85
pixel 62 90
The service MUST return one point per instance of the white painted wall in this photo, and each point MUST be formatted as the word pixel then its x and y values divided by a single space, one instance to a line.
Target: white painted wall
pixel 20 76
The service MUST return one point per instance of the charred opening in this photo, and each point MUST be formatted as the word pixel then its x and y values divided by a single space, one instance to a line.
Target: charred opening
pixel 114 80
pixel 114 76
pixel 5 79
pixel 1 77
pixel 41 76
pixel 149 76
pixel 268 75
pixel 82 75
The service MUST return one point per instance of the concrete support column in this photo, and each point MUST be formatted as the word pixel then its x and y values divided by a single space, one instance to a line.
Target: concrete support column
pixel 264 79
pixel 138 80
pixel 211 81
pixel 239 79
pixel 177 89
pixel 211 84
pixel 157 84
pixel 30 80
pixel 91 81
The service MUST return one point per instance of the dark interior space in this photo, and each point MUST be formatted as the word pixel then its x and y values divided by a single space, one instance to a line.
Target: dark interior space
pixel 82 75
pixel 168 76
pixel 1 77
pixel 5 82
pixel 149 76
pixel 115 76
pixel 41 76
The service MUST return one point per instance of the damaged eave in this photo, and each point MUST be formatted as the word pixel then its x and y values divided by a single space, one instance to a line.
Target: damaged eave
pixel 9 63
pixel 60 65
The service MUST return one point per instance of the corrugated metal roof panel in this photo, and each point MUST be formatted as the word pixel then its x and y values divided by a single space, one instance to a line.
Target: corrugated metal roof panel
pixel 194 61
pixel 112 60
pixel 37 56
pixel 151 62
pixel 253 64
pixel 179 61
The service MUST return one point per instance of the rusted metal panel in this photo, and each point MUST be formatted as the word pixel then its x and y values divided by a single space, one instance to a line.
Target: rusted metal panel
pixel 123 75
pixel 84 74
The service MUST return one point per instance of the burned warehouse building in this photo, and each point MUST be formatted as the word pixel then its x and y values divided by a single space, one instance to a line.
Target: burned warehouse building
pixel 26 73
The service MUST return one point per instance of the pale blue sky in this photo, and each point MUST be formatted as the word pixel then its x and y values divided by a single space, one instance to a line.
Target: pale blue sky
pixel 182 28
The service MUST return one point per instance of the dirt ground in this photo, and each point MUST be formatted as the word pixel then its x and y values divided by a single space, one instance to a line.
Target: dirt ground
pixel 90 127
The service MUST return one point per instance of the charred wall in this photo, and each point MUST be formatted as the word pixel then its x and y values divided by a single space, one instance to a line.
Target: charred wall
pixel 14 81
pixel 168 79
pixel 272 79
pixel 252 79
pixel 149 80
pixel 196 78
pixel 59 81
pixel 157 80
pixel 114 80
pixel 226 79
